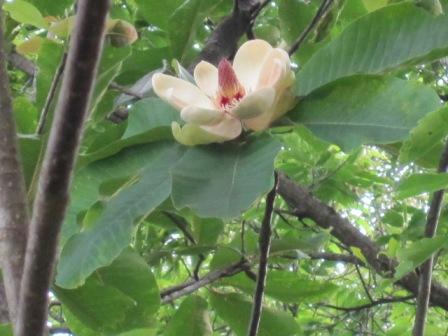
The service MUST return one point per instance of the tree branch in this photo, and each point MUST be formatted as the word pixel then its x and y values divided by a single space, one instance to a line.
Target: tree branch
pixel 13 204
pixel 424 286
pixel 371 304
pixel 54 181
pixel 320 14
pixel 21 63
pixel 50 95
pixel 224 40
pixel 264 242
pixel 173 293
pixel 305 205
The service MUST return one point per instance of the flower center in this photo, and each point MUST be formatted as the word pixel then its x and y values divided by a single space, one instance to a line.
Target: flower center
pixel 230 90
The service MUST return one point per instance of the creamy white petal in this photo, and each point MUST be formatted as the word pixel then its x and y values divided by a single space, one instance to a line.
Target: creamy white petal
pixel 259 123
pixel 179 93
pixel 192 135
pixel 206 77
pixel 201 116
pixel 255 104
pixel 248 62
pixel 276 67
pixel 228 128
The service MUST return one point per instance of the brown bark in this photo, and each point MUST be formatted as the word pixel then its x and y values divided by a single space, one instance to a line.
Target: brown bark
pixel 54 180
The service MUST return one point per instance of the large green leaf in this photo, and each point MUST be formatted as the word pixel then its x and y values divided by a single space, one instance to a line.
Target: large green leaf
pixel 365 110
pixel 191 319
pixel 128 278
pixel 223 180
pixel 99 306
pixel 235 309
pixel 157 12
pixel 284 286
pixel 24 12
pixel 294 16
pixel 51 7
pixel 99 245
pixel 426 141
pixel 415 254
pixel 382 40
pixel 110 66
pixel 149 120
pixel 420 183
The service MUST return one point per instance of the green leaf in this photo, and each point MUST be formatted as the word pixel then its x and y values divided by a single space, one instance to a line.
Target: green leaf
pixel 157 12
pixel 26 13
pixel 128 278
pixel 235 309
pixel 420 183
pixel 415 254
pixel 426 141
pixel 97 305
pixel 365 110
pixel 190 319
pixel 149 120
pixel 6 330
pixel 294 16
pixel 25 115
pixel 382 40
pixel 284 286
pixel 51 7
pixel 110 66
pixel 223 180
pixel 183 25
pixel 99 246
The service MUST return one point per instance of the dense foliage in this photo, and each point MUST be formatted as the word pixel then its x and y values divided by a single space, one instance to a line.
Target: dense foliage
pixel 149 218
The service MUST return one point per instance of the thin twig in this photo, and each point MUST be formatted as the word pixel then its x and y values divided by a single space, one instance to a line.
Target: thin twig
pixel 13 204
pixel 264 242
pixel 364 285
pixel 125 90
pixel 54 181
pixel 322 10
pixel 173 293
pixel 305 205
pixel 371 304
pixel 22 63
pixel 51 93
pixel 424 285
pixel 181 225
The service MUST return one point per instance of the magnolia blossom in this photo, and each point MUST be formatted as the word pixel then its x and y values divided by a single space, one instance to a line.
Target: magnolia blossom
pixel 249 94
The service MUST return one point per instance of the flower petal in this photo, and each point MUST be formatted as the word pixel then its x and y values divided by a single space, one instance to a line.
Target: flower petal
pixel 255 104
pixel 228 128
pixel 248 62
pixel 201 116
pixel 179 93
pixel 206 77
pixel 192 135
pixel 276 67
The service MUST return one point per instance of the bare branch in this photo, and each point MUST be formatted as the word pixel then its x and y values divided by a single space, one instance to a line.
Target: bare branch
pixel 371 304
pixel 264 242
pixel 320 14
pixel 424 286
pixel 22 63
pixel 54 181
pixel 13 204
pixel 224 40
pixel 122 89
pixel 173 293
pixel 50 96
pixel 305 205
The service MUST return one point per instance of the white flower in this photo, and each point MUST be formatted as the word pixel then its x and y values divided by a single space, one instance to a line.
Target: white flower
pixel 252 93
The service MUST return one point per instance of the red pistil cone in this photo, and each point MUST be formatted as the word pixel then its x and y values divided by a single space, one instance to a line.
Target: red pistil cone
pixel 230 89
